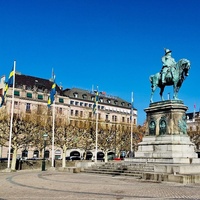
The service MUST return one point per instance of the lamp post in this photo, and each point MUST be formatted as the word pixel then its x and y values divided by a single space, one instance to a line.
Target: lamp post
pixel 43 161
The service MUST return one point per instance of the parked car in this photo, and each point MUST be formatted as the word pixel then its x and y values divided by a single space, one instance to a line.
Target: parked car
pixel 73 158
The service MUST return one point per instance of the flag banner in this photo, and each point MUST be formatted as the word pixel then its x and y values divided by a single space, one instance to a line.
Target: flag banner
pixel 96 100
pixel 9 83
pixel 52 95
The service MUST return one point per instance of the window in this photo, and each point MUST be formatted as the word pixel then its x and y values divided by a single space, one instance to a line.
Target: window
pixel 61 100
pixel 28 107
pixel 128 120
pixel 106 117
pixel 36 154
pixel 72 102
pixel 108 100
pixel 72 112
pixel 90 105
pixel 76 103
pixel 57 154
pixel 92 98
pixel 101 100
pixel 90 114
pixel 123 119
pixel 76 113
pixel 29 95
pixel 81 103
pixel 76 95
pixel 16 104
pixel 46 154
pixel 40 96
pixel 60 111
pixel 16 93
pixel 84 96
pixel 114 118
pixel 86 104
pixel 25 154
pixel 81 113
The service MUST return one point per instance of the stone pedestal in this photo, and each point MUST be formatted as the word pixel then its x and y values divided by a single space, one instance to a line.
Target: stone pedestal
pixel 166 145
pixel 166 139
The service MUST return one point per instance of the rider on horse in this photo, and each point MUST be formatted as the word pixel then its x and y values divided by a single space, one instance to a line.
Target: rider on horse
pixel 168 64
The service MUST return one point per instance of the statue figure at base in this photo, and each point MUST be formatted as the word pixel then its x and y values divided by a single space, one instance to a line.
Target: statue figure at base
pixel 172 73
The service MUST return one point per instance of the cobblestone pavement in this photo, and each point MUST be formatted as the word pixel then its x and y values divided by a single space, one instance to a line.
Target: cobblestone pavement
pixel 81 186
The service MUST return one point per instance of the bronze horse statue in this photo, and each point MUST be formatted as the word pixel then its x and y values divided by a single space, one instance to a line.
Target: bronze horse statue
pixel 175 78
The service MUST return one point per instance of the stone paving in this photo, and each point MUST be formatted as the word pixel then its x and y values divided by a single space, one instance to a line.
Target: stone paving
pixel 35 184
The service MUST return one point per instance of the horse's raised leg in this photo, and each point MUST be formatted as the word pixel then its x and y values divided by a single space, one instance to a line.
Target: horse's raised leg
pixel 161 92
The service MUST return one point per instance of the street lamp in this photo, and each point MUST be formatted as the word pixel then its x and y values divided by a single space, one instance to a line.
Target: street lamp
pixel 43 161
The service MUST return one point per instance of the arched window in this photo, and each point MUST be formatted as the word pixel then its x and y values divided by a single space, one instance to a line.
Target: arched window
pixel 57 154
pixel 46 154
pixel 36 154
pixel 25 153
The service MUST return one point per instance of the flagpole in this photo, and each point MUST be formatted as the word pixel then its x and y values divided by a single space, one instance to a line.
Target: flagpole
pixel 96 132
pixel 194 113
pixel 53 128
pixel 131 124
pixel 11 117
pixel 96 101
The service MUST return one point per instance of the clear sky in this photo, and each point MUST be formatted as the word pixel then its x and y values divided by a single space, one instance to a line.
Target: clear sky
pixel 115 44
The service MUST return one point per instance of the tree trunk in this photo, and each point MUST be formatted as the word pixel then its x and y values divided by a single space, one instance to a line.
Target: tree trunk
pixel 14 157
pixel 64 155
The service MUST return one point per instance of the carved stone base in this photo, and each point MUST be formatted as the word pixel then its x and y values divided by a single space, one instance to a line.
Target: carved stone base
pixel 166 117
pixel 166 139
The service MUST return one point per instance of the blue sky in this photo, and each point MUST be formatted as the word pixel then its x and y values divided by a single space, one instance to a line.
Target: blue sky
pixel 114 44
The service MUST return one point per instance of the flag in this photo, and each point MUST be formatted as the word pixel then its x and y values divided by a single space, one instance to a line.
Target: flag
pixel 132 106
pixel 52 94
pixel 8 84
pixel 96 100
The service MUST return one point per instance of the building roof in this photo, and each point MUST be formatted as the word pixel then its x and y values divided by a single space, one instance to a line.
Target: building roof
pixel 81 94
pixel 31 82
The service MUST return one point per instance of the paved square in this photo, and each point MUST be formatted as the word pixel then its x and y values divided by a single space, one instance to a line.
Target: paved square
pixel 81 186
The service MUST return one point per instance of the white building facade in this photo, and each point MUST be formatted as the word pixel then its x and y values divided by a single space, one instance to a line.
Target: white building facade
pixel 72 105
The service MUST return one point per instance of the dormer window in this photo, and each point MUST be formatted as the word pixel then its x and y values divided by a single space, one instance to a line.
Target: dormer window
pixel 84 96
pixel 115 102
pixel 108 101
pixel 123 103
pixel 76 95
pixel 101 100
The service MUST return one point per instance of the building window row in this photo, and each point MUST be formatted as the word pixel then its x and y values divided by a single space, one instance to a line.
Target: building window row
pixel 39 96
pixel 83 104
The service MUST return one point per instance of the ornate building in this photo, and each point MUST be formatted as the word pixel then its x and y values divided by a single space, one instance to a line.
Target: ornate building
pixel 71 105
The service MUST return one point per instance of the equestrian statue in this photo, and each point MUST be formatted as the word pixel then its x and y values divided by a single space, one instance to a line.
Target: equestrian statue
pixel 172 73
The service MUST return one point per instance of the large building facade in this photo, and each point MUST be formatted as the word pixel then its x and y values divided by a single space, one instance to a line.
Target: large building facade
pixel 72 106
